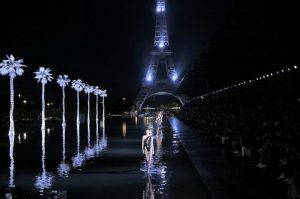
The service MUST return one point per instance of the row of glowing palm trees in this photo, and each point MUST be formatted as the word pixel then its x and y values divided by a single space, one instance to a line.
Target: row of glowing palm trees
pixel 14 68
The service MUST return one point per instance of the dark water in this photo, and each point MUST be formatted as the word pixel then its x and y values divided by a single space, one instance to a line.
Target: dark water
pixel 114 165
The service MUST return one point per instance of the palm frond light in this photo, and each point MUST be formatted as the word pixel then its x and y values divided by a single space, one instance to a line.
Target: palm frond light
pixel 11 66
pixel 103 93
pixel 43 75
pixel 63 80
pixel 88 89
pixel 97 91
pixel 78 85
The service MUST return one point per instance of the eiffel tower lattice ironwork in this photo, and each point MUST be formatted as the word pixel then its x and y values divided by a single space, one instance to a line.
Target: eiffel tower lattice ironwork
pixel 161 56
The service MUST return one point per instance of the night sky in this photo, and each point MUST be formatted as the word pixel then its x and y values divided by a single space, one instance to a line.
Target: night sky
pixel 105 43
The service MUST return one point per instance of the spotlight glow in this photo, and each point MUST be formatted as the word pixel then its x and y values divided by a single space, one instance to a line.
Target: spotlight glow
pixel 149 78
pixel 175 77
pixel 161 45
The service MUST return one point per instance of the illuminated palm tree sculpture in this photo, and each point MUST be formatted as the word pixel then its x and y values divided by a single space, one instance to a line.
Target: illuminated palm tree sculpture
pixel 78 86
pixel 43 75
pixel 103 95
pixel 44 180
pixel 89 152
pixel 63 81
pixel 12 68
pixel 63 168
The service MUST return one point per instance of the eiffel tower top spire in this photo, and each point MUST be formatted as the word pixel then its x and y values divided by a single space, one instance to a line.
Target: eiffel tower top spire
pixel 161 38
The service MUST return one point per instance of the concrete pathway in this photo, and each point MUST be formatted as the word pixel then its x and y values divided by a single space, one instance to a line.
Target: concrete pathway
pixel 223 179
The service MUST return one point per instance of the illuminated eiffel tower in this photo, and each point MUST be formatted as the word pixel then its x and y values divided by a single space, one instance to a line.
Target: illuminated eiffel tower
pixel 161 58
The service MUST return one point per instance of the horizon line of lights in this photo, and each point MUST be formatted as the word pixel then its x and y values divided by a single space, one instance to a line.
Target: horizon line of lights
pixel 269 75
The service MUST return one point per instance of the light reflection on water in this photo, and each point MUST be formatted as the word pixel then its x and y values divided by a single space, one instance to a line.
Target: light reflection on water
pixel 12 160
pixel 44 180
pixel 124 129
pixel 63 168
pixel 78 160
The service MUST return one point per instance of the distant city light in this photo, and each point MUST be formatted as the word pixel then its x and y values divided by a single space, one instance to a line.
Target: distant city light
pixel 250 81
pixel 24 101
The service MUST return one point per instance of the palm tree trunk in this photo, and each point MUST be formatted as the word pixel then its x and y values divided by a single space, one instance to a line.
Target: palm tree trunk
pixel 88 123
pixel 43 121
pixel 12 105
pixel 43 107
pixel 43 156
pixel 103 111
pixel 97 120
pixel 78 124
pixel 43 129
pixel 64 108
pixel 78 120
pixel 103 114
pixel 64 144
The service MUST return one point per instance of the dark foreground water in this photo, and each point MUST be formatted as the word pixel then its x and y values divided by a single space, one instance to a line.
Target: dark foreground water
pixel 113 166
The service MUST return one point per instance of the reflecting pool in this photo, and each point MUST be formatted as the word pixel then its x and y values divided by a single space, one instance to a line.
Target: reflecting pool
pixel 94 162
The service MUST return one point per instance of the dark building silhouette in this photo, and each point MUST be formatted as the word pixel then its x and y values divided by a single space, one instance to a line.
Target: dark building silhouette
pixel 257 37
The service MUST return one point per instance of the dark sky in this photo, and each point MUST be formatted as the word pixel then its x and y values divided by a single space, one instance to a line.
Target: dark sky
pixel 105 43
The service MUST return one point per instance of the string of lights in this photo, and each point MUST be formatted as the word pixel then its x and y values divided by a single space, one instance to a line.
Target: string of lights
pixel 269 75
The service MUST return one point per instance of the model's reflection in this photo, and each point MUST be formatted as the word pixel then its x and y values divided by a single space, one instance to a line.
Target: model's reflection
pixel 63 168
pixel 149 191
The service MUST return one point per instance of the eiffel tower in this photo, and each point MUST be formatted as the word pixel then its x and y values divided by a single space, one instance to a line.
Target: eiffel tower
pixel 161 58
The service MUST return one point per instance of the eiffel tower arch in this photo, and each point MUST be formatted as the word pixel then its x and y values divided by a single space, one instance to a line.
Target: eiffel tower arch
pixel 161 58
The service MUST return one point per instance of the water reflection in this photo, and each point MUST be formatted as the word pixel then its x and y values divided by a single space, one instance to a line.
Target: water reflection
pixel 19 139
pixel 124 129
pixel 78 159
pixel 45 179
pixel 89 152
pixel 63 168
pixel 25 136
pixel 136 121
pixel 149 191
pixel 12 160
pixel 104 139
pixel 48 131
